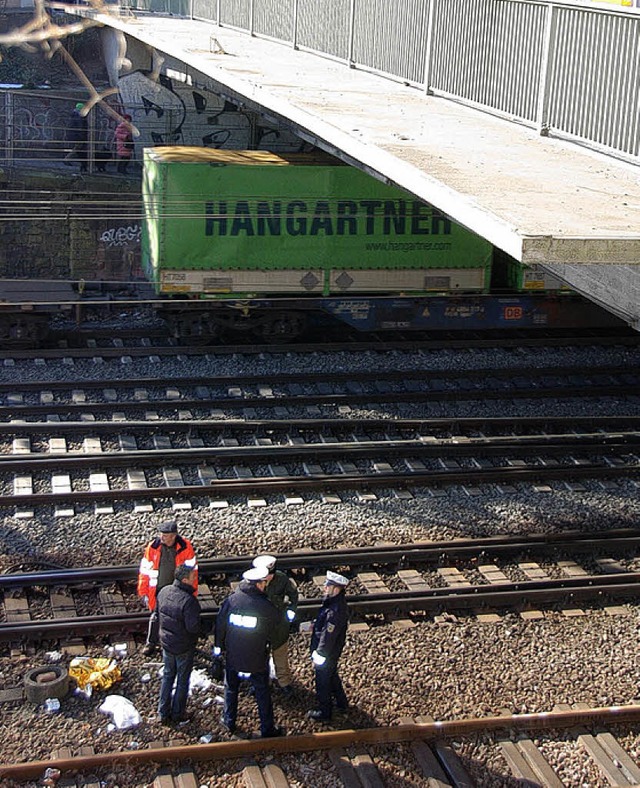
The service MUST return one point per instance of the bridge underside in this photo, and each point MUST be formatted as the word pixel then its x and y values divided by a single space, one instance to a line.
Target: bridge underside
pixel 542 200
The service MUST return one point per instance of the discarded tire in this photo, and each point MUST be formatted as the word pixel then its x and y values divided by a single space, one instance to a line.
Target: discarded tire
pixel 46 682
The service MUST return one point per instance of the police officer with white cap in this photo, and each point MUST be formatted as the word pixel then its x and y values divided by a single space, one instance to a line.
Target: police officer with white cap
pixel 327 641
pixel 283 593
pixel 244 628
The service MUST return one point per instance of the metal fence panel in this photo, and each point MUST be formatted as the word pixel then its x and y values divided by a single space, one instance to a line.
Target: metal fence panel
pixel 324 26
pixel 392 37
pixel 206 9
pixel 489 52
pixel 236 13
pixel 274 18
pixel 594 75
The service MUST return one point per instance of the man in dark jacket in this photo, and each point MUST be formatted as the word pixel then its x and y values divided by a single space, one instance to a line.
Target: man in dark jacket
pixel 327 641
pixel 179 618
pixel 78 136
pixel 243 631
pixel 283 594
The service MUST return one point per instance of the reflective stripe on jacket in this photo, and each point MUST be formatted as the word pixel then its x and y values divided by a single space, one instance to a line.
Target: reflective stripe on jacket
pixel 148 572
pixel 244 627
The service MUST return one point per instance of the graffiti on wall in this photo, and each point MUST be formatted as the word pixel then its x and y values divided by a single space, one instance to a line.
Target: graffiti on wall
pixel 121 236
pixel 167 111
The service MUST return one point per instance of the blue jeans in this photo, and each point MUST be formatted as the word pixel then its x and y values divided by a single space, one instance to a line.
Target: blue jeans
pixel 329 686
pixel 177 668
pixel 260 683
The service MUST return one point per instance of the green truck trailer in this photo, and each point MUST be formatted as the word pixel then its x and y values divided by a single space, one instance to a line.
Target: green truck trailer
pixel 222 224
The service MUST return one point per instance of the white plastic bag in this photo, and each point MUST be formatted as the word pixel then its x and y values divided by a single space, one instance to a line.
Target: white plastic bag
pixel 199 680
pixel 124 713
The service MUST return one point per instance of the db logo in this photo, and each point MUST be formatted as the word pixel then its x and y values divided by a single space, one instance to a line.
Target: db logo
pixel 513 313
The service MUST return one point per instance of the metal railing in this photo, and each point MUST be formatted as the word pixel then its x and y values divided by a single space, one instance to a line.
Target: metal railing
pixel 571 69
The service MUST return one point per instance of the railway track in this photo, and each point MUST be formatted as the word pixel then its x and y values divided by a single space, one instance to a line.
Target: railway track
pixel 296 456
pixel 440 753
pixel 317 389
pixel 139 343
pixel 388 581
pixel 218 460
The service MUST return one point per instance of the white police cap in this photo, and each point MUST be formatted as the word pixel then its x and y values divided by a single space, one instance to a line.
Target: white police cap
pixel 265 560
pixel 336 580
pixel 256 574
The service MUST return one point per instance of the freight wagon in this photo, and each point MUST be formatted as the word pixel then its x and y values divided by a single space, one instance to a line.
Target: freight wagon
pixel 265 243
pixel 255 225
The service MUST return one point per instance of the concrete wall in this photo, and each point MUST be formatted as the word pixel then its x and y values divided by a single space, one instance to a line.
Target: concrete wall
pixel 66 246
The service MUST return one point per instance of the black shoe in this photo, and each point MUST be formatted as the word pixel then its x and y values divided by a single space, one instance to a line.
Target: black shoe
pixel 228 726
pixel 166 721
pixel 288 691
pixel 317 716
pixel 183 719
pixel 273 733
pixel 149 649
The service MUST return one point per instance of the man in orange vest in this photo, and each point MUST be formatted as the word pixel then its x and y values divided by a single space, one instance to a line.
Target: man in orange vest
pixel 157 569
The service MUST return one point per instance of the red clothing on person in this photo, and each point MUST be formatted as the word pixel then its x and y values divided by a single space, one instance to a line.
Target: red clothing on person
pixel 124 139
pixel 148 573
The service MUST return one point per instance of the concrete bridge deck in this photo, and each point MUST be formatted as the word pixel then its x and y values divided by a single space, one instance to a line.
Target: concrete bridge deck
pixel 540 199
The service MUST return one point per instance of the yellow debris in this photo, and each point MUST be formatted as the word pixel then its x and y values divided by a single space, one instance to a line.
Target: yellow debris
pixel 100 673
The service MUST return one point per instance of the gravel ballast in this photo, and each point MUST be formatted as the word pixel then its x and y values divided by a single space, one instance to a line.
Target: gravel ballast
pixel 458 668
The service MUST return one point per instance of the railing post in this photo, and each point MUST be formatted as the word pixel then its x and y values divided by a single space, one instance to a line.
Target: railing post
pixel 10 126
pixel 352 19
pixel 294 33
pixel 91 147
pixel 542 108
pixel 428 53
pixel 218 12
pixel 251 13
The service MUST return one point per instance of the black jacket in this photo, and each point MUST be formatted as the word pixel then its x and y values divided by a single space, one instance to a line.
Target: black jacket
pixel 330 627
pixel 282 588
pixel 179 615
pixel 78 129
pixel 244 628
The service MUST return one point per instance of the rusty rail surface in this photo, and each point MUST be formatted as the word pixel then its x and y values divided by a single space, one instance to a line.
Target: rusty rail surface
pixel 610 715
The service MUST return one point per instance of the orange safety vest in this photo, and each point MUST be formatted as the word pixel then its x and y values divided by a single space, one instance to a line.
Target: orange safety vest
pixel 148 573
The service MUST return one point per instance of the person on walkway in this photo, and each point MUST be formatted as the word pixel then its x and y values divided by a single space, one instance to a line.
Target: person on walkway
pixel 179 629
pixel 283 594
pixel 243 630
pixel 327 641
pixel 77 134
pixel 123 137
pixel 157 569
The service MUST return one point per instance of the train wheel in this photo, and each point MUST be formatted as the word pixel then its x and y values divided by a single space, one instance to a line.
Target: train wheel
pixel 282 327
pixel 23 331
pixel 195 329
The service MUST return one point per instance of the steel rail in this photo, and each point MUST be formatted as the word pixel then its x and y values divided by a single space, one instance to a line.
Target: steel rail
pixel 441 553
pixel 506 445
pixel 311 742
pixel 382 345
pixel 493 596
pixel 351 424
pixel 316 482
pixel 297 400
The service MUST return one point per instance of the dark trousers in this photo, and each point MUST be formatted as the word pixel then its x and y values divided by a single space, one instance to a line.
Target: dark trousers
pixel 329 686
pixel 177 669
pixel 122 165
pixel 260 683
pixel 153 632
